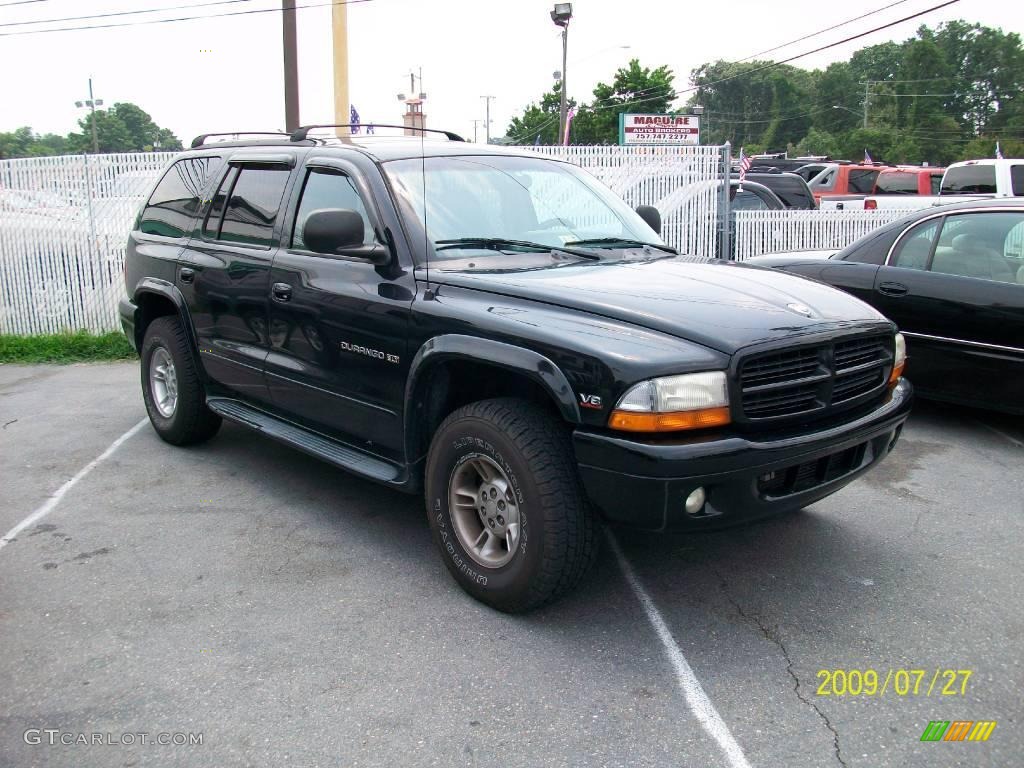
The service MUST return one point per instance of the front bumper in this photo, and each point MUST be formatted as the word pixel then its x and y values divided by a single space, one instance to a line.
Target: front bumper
pixel 645 484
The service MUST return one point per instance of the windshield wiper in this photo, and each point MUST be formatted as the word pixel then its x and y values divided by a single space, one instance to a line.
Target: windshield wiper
pixel 498 243
pixel 615 242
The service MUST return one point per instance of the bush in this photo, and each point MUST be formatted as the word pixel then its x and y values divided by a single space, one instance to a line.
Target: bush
pixel 77 347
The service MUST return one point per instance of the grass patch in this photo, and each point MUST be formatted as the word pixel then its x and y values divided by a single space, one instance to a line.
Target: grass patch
pixel 78 347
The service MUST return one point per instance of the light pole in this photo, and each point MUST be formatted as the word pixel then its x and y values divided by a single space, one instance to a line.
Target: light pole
pixel 561 14
pixel 853 112
pixel 487 121
pixel 92 103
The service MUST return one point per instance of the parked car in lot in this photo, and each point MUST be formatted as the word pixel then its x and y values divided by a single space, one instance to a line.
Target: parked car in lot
pixel 836 181
pixel 961 182
pixel 911 183
pixel 790 189
pixel 952 279
pixel 498 332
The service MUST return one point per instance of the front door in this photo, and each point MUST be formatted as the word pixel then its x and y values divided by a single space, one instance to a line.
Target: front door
pixel 224 274
pixel 338 325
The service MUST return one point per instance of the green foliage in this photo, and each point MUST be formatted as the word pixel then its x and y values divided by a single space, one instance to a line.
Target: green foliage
pixel 942 95
pixel 122 128
pixel 81 346
pixel 634 89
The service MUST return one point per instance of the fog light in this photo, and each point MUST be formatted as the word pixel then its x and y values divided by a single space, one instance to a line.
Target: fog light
pixel 695 501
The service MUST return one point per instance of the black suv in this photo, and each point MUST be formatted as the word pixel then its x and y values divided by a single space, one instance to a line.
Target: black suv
pixel 497 331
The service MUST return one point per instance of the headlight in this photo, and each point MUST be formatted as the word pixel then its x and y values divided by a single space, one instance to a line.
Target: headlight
pixel 899 360
pixel 690 401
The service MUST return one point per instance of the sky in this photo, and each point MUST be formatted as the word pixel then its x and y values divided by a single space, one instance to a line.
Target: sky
pixel 225 74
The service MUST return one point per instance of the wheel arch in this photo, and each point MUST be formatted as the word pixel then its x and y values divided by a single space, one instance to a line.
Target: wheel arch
pixel 431 393
pixel 154 298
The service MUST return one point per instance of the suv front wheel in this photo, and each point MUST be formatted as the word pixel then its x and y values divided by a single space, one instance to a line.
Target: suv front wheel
pixel 171 387
pixel 505 504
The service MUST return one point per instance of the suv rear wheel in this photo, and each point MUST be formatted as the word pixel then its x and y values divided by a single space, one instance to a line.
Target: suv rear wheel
pixel 505 504
pixel 171 387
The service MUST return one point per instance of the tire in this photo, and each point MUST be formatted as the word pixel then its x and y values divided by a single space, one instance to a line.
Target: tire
pixel 186 420
pixel 557 537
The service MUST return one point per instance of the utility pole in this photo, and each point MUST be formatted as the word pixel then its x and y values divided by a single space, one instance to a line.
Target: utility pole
pixel 867 95
pixel 339 29
pixel 92 103
pixel 475 124
pixel 291 66
pixel 487 122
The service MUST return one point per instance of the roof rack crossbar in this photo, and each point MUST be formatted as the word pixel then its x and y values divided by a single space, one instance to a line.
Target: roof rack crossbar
pixel 199 140
pixel 301 133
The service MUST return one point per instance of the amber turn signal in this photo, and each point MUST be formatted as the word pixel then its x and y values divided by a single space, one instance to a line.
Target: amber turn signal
pixel 897 371
pixel 632 421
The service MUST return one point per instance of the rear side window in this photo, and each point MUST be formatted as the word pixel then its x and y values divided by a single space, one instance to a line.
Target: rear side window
pixel 1017 180
pixel 178 197
pixel 970 180
pixel 746 200
pixel 900 183
pixel 936 180
pixel 862 181
pixel 915 247
pixel 250 209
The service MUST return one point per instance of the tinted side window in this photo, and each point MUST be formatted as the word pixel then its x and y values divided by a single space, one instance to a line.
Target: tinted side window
pixel 936 183
pixel 178 197
pixel 915 247
pixel 900 183
pixel 970 179
pixel 746 200
pixel 329 189
pixel 253 205
pixel 1017 180
pixel 862 181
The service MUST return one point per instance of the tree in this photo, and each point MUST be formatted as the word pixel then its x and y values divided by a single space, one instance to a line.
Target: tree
pixel 539 122
pixel 122 128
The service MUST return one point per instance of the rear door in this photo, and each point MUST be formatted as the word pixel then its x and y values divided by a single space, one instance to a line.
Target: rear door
pixel 955 286
pixel 338 324
pixel 225 272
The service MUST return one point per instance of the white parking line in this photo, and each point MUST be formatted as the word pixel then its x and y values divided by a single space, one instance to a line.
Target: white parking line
pixel 698 701
pixel 54 500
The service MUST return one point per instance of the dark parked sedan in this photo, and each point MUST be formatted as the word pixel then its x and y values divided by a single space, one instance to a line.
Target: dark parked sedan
pixel 952 278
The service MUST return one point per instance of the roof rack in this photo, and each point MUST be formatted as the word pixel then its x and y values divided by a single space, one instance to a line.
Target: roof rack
pixel 199 140
pixel 301 133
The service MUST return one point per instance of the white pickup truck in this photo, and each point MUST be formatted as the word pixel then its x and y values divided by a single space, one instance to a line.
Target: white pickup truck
pixel 968 180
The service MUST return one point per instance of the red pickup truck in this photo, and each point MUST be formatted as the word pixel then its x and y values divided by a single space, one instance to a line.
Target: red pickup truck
pixel 842 179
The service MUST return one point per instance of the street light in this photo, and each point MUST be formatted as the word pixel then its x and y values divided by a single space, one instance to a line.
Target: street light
pixel 92 103
pixel 561 14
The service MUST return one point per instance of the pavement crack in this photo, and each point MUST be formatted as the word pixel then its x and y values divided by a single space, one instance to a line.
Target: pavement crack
pixel 12 421
pixel 772 635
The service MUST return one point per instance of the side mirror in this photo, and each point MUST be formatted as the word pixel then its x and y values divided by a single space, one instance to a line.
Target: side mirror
pixel 340 232
pixel 651 216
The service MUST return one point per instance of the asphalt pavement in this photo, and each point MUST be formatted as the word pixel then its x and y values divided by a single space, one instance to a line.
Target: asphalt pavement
pixel 284 613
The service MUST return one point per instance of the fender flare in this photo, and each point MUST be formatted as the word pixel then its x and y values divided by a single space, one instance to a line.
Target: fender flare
pixel 169 291
pixel 478 349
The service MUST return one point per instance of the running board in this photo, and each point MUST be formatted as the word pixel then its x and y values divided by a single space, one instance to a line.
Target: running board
pixel 331 451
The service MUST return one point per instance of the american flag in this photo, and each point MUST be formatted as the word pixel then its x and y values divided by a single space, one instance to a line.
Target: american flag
pixel 353 118
pixel 999 152
pixel 867 158
pixel 744 164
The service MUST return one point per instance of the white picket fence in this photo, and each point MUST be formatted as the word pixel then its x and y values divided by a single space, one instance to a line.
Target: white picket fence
pixel 760 232
pixel 63 228
pixel 683 183
pixel 64 223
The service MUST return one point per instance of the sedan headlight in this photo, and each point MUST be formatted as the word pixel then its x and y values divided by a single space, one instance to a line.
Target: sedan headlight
pixel 672 403
pixel 899 360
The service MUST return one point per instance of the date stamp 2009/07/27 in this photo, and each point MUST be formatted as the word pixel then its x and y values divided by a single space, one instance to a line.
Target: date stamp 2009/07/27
pixel 899 682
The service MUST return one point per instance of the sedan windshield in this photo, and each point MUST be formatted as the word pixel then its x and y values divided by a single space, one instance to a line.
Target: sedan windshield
pixel 473 203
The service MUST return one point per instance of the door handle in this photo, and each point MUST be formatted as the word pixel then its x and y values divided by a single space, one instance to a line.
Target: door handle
pixel 281 291
pixel 892 289
pixel 187 274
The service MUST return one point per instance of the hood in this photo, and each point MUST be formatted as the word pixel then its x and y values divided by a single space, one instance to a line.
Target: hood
pixel 722 305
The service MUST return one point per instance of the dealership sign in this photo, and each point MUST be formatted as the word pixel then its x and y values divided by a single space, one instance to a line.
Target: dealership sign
pixel 659 129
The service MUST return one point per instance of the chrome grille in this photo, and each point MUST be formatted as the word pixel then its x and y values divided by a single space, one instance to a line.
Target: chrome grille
pixel 814 379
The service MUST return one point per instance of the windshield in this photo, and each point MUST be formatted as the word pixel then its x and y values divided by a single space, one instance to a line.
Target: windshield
pixel 524 199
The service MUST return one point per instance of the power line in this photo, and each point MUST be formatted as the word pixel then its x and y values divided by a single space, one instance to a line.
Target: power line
pixel 823 31
pixel 121 13
pixel 22 2
pixel 182 18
